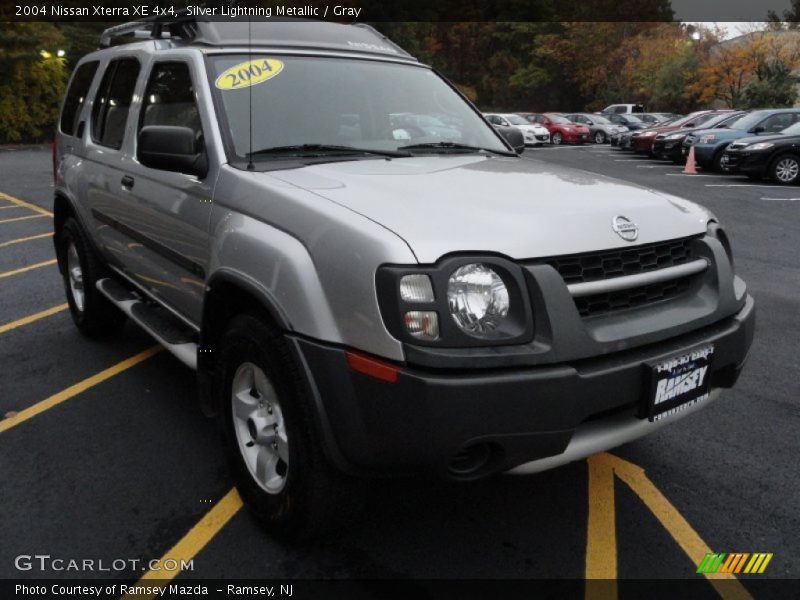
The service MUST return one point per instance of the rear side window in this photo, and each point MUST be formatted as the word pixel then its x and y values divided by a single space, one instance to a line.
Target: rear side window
pixel 76 96
pixel 113 102
pixel 169 97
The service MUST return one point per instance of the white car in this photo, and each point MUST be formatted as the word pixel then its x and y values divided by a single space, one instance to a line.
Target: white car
pixel 534 134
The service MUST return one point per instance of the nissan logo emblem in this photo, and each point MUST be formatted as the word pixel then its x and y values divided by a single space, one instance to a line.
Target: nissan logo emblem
pixel 625 228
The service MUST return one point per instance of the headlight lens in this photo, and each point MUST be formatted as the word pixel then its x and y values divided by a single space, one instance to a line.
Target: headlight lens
pixel 478 299
pixel 760 146
pixel 676 136
pixel 710 137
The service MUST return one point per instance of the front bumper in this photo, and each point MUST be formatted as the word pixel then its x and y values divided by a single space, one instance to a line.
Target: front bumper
pixel 750 163
pixel 426 419
pixel 642 144
pixel 671 149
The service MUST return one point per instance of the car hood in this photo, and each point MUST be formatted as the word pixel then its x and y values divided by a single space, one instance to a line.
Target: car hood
pixel 720 134
pixel 513 206
pixel 778 137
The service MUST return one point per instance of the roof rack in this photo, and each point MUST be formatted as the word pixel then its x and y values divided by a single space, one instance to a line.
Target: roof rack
pixel 312 35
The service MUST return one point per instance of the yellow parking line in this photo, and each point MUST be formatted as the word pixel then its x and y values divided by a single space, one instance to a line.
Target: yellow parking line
pixel 601 536
pixel 10 206
pixel 25 239
pixel 195 540
pixel 33 207
pixel 28 268
pixel 76 389
pixel 25 218
pixel 31 318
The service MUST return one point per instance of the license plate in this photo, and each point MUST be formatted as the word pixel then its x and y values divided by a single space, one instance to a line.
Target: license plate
pixel 677 383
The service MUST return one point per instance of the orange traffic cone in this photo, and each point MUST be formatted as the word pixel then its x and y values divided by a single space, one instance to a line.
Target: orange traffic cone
pixel 689 169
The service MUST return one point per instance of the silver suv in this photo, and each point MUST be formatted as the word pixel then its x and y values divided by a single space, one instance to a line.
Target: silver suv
pixel 366 296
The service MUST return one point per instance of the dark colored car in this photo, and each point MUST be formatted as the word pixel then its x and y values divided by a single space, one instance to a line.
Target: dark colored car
pixel 562 130
pixel 669 145
pixel 709 144
pixel 774 156
pixel 642 141
pixel 632 122
pixel 655 118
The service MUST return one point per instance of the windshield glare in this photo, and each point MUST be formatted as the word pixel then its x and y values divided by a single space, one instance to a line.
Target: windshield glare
pixel 597 119
pixel 517 120
pixel 362 104
pixel 559 119
pixel 792 129
pixel 632 119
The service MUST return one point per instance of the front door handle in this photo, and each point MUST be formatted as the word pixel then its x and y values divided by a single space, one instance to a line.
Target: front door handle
pixel 127 182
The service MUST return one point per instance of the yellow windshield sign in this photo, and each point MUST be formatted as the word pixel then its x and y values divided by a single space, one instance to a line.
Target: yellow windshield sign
pixel 249 73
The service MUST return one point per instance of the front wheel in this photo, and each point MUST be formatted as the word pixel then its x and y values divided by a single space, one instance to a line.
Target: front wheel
pixel 556 139
pixel 599 137
pixel 270 435
pixel 93 313
pixel 785 169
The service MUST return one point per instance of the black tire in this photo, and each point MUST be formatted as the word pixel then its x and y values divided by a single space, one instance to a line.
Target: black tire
pixel 93 314
pixel 600 137
pixel 315 498
pixel 716 164
pixel 556 139
pixel 785 169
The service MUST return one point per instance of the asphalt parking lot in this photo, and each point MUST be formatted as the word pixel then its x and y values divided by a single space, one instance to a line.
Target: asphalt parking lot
pixel 114 460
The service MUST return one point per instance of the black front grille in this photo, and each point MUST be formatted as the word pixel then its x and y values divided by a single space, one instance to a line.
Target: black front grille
pixel 596 266
pixel 599 304
pixel 607 264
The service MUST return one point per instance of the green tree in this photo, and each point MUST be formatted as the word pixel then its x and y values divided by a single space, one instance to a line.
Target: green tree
pixel 774 87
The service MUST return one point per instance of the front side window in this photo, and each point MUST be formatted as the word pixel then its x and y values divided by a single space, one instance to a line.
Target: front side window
pixel 113 102
pixel 371 105
pixel 169 98
pixel 778 122
pixel 76 97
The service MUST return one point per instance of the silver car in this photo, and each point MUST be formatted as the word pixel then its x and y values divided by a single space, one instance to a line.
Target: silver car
pixel 600 128
pixel 363 298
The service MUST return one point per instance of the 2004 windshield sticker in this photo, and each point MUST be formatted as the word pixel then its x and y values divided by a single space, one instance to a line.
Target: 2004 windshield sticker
pixel 249 73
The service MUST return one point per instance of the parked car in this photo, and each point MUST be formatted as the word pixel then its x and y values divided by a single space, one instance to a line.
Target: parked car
pixel 709 144
pixel 534 134
pixel 630 121
pixel 623 109
pixel 357 304
pixel 600 128
pixel 654 118
pixel 776 157
pixel 642 141
pixel 423 124
pixel 562 130
pixel 669 145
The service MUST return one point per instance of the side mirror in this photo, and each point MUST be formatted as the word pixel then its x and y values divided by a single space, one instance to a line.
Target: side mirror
pixel 171 148
pixel 687 125
pixel 514 137
pixel 758 129
pixel 588 122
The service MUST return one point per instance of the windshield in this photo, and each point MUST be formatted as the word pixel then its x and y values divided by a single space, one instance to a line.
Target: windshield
pixel 632 119
pixel 598 119
pixel 559 119
pixel 729 121
pixel 517 120
pixel 750 120
pixel 317 101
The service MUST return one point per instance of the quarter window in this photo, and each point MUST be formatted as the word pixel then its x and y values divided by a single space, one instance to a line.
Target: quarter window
pixel 76 96
pixel 113 102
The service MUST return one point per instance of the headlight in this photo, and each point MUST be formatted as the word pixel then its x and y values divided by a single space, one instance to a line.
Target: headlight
pixel 760 146
pixel 709 137
pixel 478 300
pixel 649 133
pixel 676 136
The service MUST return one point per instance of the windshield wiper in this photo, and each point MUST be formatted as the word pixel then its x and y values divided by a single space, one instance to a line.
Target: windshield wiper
pixel 453 146
pixel 325 148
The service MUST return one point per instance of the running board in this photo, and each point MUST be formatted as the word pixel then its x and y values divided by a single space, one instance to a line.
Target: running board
pixel 156 321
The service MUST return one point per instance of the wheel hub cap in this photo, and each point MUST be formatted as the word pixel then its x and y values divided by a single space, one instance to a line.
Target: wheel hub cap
pixel 259 427
pixel 787 169
pixel 75 275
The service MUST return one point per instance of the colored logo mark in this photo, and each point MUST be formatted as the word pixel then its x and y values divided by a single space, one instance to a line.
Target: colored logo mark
pixel 736 562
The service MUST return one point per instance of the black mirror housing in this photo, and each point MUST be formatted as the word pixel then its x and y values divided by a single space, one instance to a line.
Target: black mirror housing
pixel 757 130
pixel 514 137
pixel 171 148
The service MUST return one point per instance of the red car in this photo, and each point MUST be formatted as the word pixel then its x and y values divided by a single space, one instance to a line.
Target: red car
pixel 562 130
pixel 642 140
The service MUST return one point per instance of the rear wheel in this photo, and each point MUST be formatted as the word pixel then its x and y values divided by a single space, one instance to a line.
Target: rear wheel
pixel 785 169
pixel 599 137
pixel 556 139
pixel 716 164
pixel 270 435
pixel 93 313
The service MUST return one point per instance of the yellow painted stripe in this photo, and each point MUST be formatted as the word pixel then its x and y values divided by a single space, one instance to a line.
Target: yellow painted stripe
pixel 764 564
pixel 28 268
pixel 678 527
pixel 601 533
pixel 26 239
pixel 32 318
pixel 76 389
pixel 10 206
pixel 195 540
pixel 25 218
pixel 755 558
pixel 33 207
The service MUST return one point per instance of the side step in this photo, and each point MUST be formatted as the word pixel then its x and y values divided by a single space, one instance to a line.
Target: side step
pixel 159 323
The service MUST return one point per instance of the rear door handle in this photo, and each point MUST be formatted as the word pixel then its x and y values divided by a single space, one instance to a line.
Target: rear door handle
pixel 127 182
